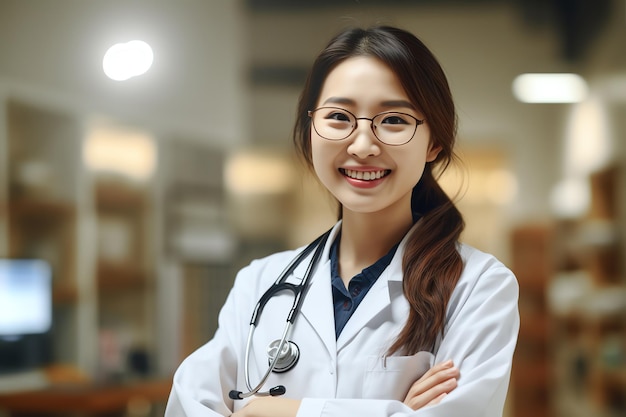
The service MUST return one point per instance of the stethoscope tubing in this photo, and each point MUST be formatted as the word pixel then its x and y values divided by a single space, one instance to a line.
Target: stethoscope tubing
pixel 274 361
pixel 278 286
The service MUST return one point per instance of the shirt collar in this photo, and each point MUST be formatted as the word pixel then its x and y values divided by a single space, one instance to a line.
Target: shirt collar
pixel 369 274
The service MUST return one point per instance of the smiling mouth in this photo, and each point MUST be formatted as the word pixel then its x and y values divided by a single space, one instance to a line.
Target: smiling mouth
pixel 365 175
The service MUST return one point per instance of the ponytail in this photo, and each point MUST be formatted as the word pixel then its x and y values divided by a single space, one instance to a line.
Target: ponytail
pixel 431 266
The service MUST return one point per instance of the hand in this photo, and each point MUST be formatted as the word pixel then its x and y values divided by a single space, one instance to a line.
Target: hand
pixel 269 407
pixel 433 386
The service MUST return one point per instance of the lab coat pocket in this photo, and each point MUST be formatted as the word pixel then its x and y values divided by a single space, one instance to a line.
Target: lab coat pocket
pixel 391 377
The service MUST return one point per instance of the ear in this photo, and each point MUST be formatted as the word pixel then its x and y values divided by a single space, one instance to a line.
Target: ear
pixel 433 151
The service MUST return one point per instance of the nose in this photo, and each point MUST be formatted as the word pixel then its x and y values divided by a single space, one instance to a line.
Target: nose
pixel 363 142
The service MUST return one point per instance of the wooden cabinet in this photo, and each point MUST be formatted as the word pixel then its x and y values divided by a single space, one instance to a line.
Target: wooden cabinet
pixel 125 279
pixel 140 266
pixel 200 245
pixel 45 228
pixel 531 380
pixel 93 230
pixel 83 399
pixel 41 215
pixel 589 329
pixel 571 355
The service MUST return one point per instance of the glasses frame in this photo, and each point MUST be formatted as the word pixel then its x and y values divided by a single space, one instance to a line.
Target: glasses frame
pixel 418 122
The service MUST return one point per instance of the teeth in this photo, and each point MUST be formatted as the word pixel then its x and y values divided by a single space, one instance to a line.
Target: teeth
pixel 367 175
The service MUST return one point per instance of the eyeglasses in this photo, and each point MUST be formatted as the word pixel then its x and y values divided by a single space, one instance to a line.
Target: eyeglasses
pixel 391 128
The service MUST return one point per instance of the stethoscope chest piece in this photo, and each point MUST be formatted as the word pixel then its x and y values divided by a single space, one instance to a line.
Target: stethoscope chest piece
pixel 287 357
pixel 283 354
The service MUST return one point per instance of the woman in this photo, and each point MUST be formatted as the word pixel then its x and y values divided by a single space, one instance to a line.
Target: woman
pixel 399 318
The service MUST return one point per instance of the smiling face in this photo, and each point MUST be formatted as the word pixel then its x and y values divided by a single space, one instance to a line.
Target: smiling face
pixel 364 174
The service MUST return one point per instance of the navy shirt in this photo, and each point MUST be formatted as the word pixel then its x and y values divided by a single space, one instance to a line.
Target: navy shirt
pixel 346 300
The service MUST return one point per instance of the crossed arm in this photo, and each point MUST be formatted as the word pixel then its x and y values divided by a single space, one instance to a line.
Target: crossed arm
pixel 430 389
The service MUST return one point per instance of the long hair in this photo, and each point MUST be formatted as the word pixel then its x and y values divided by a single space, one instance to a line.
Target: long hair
pixel 431 264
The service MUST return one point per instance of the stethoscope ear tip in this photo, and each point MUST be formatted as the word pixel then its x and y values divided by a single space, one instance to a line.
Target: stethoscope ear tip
pixel 235 395
pixel 274 392
pixel 283 354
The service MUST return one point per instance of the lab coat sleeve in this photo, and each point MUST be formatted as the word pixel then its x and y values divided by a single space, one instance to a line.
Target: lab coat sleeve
pixel 480 337
pixel 202 381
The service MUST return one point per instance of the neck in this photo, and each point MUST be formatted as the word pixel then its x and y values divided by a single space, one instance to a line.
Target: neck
pixel 366 237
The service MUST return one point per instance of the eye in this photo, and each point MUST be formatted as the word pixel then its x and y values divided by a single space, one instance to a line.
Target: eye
pixel 338 116
pixel 396 119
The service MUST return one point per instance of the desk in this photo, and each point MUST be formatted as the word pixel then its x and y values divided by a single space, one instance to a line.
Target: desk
pixel 85 399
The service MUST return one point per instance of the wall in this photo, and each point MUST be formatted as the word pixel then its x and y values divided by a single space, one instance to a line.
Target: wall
pixel 52 54
pixel 482 49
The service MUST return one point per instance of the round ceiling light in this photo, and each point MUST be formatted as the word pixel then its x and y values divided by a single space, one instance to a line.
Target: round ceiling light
pixel 126 60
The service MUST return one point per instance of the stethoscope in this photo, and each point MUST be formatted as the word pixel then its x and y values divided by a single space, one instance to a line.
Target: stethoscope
pixel 282 353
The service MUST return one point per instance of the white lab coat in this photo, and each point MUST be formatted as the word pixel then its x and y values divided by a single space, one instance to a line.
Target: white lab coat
pixel 351 375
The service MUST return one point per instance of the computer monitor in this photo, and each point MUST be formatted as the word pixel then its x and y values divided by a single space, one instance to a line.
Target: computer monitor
pixel 25 313
pixel 25 297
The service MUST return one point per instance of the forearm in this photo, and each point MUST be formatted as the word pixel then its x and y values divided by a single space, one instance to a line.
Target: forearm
pixel 269 407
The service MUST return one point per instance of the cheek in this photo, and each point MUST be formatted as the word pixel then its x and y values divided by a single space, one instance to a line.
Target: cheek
pixel 319 156
pixel 324 155
pixel 315 151
pixel 412 162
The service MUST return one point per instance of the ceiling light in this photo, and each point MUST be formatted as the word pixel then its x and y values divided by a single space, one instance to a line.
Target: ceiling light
pixel 549 88
pixel 126 60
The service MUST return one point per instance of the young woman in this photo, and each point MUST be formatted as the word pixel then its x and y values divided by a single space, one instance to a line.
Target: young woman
pixel 398 318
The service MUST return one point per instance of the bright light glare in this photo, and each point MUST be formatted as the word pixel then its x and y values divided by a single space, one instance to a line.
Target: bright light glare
pixel 502 186
pixel 588 139
pixel 550 88
pixel 131 154
pixel 571 198
pixel 248 173
pixel 126 60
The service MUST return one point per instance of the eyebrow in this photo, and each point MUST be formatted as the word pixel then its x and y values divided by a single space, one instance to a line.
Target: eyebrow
pixel 388 103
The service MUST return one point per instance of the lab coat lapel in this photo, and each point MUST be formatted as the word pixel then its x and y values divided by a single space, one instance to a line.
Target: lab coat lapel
pixel 318 310
pixel 386 288
pixel 317 307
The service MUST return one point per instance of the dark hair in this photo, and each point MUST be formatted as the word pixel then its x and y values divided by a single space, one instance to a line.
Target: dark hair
pixel 431 264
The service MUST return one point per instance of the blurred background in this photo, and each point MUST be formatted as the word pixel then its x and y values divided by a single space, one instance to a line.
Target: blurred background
pixel 127 206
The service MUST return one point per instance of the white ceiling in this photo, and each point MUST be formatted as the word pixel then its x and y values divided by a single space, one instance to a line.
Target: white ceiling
pixel 51 53
pixel 198 87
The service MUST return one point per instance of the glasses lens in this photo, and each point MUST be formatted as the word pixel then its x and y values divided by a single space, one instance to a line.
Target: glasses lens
pixel 394 128
pixel 333 123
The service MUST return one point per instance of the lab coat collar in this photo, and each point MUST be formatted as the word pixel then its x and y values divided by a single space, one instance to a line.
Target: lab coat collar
pixel 393 271
pixel 386 288
pixel 317 307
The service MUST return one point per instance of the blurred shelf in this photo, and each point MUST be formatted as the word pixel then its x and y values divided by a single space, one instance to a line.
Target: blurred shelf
pixel 593 329
pixel 577 322
pixel 40 210
pixel 64 294
pixel 117 197
pixel 55 209
pixel 529 374
pixel 120 277
pixel 531 379
pixel 84 399
pixel 535 327
pixel 614 377
pixel 534 412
